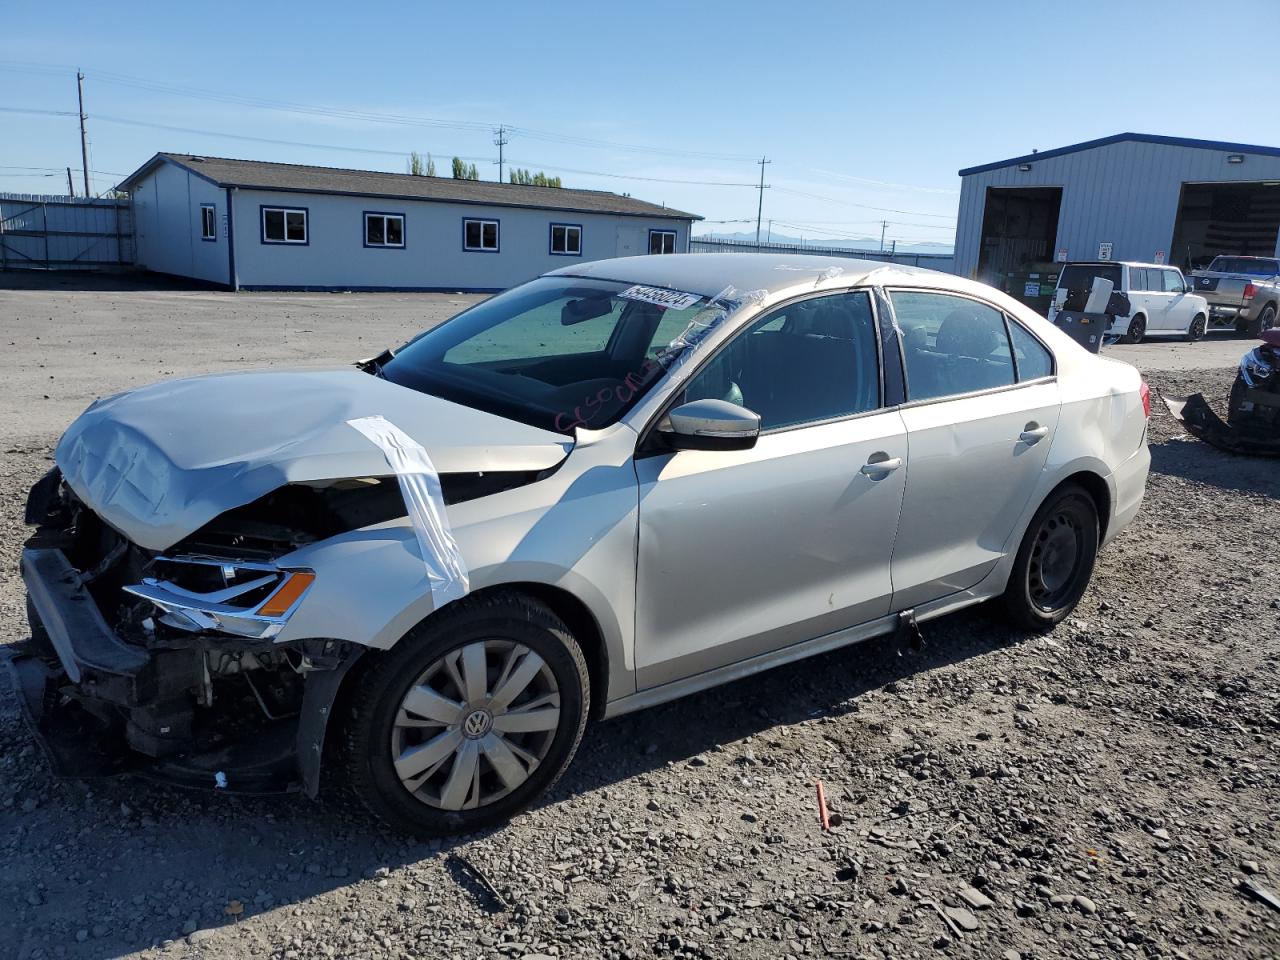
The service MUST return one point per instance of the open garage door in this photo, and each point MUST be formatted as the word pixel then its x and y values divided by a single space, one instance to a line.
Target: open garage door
pixel 1019 228
pixel 1234 219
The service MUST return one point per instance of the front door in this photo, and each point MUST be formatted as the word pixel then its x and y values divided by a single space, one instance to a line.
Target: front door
pixel 979 428
pixel 745 552
pixel 631 240
pixel 1179 310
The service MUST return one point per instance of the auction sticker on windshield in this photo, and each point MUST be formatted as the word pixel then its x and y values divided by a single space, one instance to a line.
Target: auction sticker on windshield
pixel 670 299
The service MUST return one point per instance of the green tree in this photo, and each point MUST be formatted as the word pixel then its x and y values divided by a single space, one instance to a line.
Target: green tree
pixel 417 167
pixel 463 171
pixel 431 166
pixel 539 179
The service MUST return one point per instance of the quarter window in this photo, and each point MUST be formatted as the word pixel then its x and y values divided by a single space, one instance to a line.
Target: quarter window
pixel 480 235
pixel 951 345
pixel 662 241
pixel 208 222
pixel 284 225
pixel 383 230
pixel 566 240
pixel 804 363
pixel 1032 359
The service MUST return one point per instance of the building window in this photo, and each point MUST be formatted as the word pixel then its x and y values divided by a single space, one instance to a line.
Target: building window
pixel 662 241
pixel 208 222
pixel 566 240
pixel 480 235
pixel 384 230
pixel 284 225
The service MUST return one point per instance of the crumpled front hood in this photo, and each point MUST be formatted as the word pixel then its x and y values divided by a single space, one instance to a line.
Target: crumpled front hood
pixel 160 462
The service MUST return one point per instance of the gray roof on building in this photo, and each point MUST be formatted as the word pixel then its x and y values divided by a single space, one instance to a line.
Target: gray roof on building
pixel 1129 138
pixel 297 178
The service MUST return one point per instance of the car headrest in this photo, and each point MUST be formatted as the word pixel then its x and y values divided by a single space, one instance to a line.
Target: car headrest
pixel 963 334
pixel 916 338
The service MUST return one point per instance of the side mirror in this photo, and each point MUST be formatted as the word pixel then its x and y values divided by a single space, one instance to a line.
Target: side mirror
pixel 711 425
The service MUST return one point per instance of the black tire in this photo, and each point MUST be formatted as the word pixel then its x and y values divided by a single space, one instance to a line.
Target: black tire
pixel 1264 321
pixel 1137 330
pixel 1040 596
pixel 367 762
pixel 1199 327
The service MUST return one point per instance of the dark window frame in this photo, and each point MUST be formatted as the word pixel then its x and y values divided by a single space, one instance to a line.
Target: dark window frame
pixel 385 215
pixel 673 234
pixel 1008 319
pixel 209 228
pixel 286 242
pixel 551 240
pixel 483 221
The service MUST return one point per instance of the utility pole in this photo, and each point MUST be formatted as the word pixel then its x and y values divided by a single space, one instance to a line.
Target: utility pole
pixel 760 206
pixel 71 187
pixel 500 140
pixel 84 142
pixel 769 236
pixel 884 225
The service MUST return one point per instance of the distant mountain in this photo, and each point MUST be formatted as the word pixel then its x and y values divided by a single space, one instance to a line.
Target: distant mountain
pixel 849 243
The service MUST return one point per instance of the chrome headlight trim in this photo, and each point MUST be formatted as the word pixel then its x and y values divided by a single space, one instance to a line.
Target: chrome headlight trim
pixel 215 610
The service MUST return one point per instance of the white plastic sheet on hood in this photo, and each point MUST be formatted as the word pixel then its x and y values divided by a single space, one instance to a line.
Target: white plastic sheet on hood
pixel 420 487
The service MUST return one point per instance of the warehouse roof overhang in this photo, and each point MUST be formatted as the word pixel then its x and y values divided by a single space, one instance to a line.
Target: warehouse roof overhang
pixel 296 178
pixel 1131 138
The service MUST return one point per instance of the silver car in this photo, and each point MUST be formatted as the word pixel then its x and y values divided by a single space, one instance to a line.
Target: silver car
pixel 617 484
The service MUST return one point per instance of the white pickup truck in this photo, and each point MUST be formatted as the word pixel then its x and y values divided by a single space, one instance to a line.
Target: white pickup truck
pixel 1243 292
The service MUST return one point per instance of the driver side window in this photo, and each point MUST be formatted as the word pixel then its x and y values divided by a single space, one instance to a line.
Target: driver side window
pixel 807 362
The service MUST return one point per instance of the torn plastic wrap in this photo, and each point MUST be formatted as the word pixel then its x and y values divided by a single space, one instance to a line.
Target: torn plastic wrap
pixel 420 487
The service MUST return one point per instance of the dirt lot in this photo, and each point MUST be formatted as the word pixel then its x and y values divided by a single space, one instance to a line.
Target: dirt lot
pixel 1098 791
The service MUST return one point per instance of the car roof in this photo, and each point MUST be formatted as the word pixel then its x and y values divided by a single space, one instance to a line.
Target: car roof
pixel 709 273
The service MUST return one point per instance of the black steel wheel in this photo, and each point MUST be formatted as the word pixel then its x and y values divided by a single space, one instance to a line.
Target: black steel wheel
pixel 1137 330
pixel 1055 561
pixel 469 718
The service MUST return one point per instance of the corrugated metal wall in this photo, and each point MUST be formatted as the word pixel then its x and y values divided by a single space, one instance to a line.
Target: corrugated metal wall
pixel 49 233
pixel 1126 194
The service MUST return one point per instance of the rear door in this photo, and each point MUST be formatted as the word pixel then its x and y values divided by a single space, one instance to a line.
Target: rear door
pixel 745 552
pixel 980 419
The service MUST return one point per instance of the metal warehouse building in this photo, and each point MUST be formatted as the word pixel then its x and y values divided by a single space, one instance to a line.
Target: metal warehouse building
pixel 1132 196
pixel 275 226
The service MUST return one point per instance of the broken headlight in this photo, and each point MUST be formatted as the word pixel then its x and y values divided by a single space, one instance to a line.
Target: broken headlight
pixel 1255 367
pixel 244 598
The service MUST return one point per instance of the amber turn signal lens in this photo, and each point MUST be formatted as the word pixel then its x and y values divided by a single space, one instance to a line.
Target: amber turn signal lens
pixel 284 598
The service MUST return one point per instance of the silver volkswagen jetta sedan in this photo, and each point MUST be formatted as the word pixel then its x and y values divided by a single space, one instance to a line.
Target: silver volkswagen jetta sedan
pixel 619 483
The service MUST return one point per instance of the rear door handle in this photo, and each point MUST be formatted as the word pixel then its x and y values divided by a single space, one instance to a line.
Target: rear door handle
pixel 879 469
pixel 1033 434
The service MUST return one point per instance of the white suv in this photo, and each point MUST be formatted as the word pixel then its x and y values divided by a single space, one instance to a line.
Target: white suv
pixel 1159 298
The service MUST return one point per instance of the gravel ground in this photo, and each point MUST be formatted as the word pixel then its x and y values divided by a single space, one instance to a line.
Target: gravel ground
pixel 1102 790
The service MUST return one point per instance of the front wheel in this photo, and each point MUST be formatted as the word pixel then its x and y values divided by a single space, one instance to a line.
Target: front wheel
pixel 1199 327
pixel 1137 330
pixel 469 718
pixel 1055 561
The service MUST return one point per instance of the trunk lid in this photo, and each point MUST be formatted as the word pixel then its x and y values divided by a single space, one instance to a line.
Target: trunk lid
pixel 160 462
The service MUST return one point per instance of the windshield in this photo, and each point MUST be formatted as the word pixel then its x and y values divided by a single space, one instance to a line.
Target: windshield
pixel 1080 276
pixel 1250 266
pixel 559 352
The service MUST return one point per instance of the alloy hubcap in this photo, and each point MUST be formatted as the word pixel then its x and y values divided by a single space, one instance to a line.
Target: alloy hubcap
pixel 475 725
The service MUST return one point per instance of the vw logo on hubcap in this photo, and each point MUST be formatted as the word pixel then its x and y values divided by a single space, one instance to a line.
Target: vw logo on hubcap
pixel 477 724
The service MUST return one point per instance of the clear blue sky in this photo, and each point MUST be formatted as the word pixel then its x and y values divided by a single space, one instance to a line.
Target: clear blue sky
pixel 858 105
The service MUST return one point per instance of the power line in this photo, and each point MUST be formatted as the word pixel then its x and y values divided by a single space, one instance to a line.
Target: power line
pixel 863 206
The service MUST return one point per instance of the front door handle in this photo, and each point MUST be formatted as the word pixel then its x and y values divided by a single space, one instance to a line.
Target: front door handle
pixel 1033 433
pixel 878 469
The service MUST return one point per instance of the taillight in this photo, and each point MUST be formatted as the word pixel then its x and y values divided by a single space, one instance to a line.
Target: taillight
pixel 1250 291
pixel 1145 392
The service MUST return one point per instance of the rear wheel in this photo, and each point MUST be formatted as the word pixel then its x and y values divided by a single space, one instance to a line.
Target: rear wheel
pixel 1055 561
pixel 469 718
pixel 1265 321
pixel 1137 330
pixel 1199 327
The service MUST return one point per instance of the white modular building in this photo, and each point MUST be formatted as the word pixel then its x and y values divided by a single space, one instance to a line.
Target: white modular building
pixel 250 225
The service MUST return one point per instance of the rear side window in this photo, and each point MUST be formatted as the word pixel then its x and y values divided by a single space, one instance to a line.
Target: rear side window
pixel 1033 360
pixel 807 362
pixel 951 345
pixel 1138 279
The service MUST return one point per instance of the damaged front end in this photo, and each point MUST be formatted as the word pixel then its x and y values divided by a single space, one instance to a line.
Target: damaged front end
pixel 167 663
